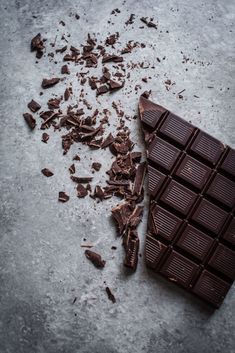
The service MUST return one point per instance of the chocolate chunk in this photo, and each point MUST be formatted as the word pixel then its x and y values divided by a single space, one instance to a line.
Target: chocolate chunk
pixel 121 214
pixel 76 158
pixel 191 203
pixel 34 106
pixel 72 169
pixel 65 70
pixel 63 197
pixel 47 172
pixel 95 258
pixel 46 83
pixel 30 120
pixel 111 40
pixel 81 180
pixel 81 191
pixel 45 137
pixel 110 295
pixel 96 166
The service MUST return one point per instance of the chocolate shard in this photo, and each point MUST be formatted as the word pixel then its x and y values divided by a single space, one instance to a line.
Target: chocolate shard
pixel 34 106
pixel 95 258
pixel 110 295
pixel 63 197
pixel 192 196
pixel 139 179
pixel 131 246
pixel 47 172
pixel 30 120
pixel 81 180
pixel 46 83
pixel 81 191
pixel 99 193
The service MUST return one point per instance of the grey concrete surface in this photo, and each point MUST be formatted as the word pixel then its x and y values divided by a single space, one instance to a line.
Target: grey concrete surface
pixel 42 266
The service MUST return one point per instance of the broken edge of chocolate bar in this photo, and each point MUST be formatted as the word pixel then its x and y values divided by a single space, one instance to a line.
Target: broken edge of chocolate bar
pixel 191 183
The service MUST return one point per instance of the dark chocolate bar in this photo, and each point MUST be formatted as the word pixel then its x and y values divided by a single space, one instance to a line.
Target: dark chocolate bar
pixel 191 225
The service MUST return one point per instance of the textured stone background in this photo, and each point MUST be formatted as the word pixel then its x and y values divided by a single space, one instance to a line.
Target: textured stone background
pixel 42 266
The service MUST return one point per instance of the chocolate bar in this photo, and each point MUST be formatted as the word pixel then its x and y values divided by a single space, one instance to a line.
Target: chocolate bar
pixel 191 183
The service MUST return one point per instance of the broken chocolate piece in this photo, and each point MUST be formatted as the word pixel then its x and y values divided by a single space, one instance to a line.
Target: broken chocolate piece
pixel 63 197
pixel 95 258
pixel 47 172
pixel 34 106
pixel 148 23
pixel 30 120
pixel 110 295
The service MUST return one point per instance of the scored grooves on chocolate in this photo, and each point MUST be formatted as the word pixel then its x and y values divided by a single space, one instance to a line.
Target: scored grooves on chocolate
pixel 191 183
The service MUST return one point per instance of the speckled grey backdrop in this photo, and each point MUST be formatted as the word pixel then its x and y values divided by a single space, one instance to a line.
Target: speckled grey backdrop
pixel 42 265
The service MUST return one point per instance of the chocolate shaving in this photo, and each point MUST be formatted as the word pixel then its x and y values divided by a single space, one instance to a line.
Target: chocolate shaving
pixel 95 258
pixel 148 23
pixel 115 58
pixel 108 141
pixel 139 179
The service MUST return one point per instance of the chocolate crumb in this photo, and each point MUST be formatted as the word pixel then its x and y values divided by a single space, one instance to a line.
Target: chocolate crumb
pixel 30 120
pixel 110 295
pixel 47 172
pixel 34 106
pixel 46 83
pixel 45 137
pixel 96 166
pixel 95 258
pixel 81 191
pixel 63 197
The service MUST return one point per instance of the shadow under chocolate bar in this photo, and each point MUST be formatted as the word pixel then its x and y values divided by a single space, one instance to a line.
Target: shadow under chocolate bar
pixel 191 183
